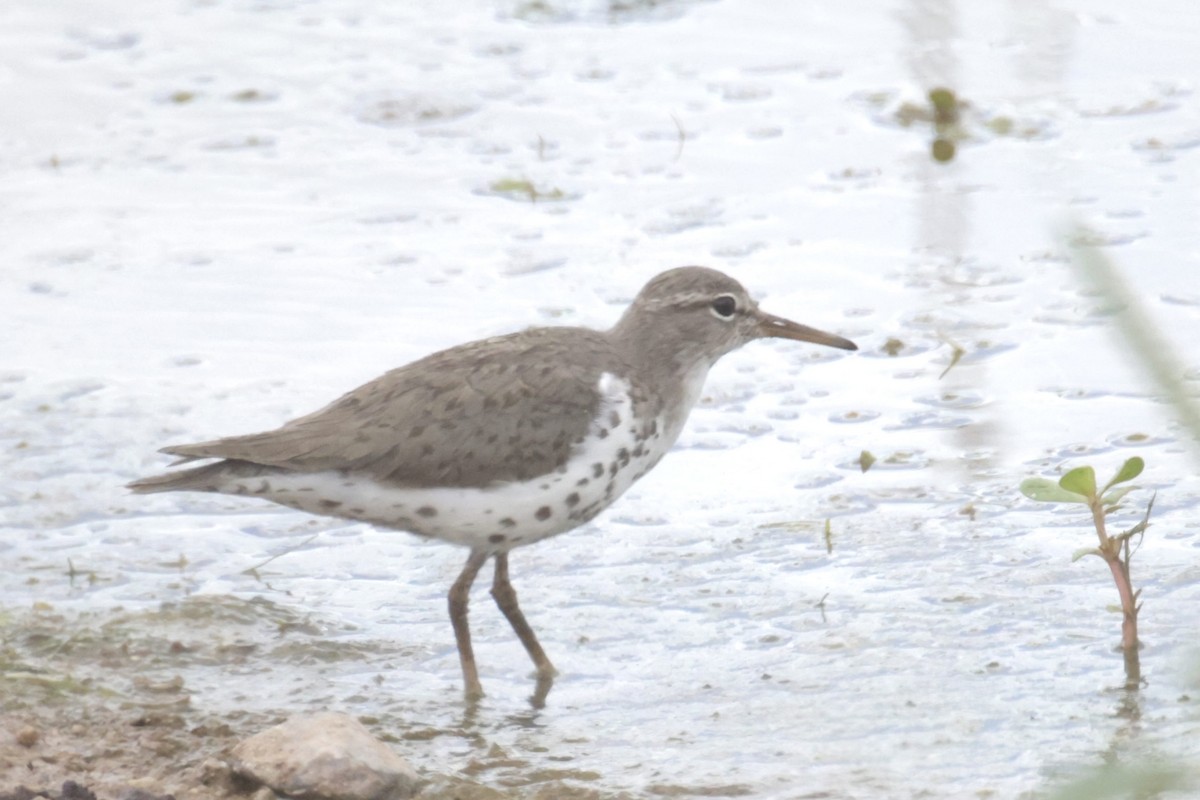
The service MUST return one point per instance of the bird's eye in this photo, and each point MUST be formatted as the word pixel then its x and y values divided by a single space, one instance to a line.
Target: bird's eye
pixel 724 306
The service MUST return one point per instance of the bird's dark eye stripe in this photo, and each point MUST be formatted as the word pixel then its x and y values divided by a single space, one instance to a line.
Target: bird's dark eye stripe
pixel 725 305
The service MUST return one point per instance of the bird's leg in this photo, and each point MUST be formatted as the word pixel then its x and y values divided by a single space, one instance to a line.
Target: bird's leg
pixel 506 599
pixel 460 594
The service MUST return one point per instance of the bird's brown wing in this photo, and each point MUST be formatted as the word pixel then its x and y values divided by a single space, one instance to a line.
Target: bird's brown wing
pixel 503 409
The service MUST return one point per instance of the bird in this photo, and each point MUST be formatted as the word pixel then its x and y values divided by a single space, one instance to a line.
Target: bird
pixel 503 442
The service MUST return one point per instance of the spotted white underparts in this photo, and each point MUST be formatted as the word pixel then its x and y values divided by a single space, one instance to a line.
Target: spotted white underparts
pixel 617 450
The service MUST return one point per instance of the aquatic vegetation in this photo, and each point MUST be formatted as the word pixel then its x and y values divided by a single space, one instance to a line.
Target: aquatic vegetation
pixel 1079 486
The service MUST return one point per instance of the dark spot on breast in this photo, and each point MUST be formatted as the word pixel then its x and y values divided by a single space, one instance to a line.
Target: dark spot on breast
pixel 328 505
pixel 496 538
pixel 427 511
pixel 602 433
pixel 572 499
pixel 582 482
pixel 614 419
pixel 543 513
pixel 597 470
pixel 638 451
pixel 623 456
pixel 416 431
pixel 508 522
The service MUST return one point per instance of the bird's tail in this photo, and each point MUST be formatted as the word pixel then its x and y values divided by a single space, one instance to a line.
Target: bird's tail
pixel 208 478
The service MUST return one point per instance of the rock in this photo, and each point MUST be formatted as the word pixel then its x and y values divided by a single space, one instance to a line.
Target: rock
pixel 326 755
pixel 74 791
pixel 217 775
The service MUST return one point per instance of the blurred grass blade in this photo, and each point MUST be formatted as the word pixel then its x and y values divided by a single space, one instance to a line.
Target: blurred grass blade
pixel 1137 331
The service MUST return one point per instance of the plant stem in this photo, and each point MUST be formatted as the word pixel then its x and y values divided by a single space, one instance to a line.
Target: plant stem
pixel 1111 552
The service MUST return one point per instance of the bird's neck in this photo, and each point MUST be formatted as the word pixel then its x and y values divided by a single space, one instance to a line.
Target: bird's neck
pixel 672 368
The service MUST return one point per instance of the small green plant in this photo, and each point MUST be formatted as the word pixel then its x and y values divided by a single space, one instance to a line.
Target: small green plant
pixel 1079 486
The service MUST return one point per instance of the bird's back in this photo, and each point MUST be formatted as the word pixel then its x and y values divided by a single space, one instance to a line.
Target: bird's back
pixel 504 409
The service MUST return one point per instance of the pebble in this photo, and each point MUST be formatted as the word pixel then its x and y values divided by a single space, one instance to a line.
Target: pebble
pixel 327 755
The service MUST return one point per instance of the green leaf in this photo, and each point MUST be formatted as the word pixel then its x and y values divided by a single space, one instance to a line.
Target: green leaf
pixel 1129 470
pixel 1086 551
pixel 1047 491
pixel 1081 480
pixel 1114 497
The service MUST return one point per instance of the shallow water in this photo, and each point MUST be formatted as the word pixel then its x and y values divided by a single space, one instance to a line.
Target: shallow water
pixel 219 215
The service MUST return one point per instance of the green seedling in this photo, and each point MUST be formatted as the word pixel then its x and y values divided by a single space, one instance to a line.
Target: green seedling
pixel 1079 486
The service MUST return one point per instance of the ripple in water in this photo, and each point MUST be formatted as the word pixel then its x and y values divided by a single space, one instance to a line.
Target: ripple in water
pixel 956 400
pixel 854 416
pixel 1138 440
pixel 899 460
pixel 930 420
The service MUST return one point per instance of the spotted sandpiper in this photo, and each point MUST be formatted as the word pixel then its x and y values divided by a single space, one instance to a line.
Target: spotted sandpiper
pixel 503 442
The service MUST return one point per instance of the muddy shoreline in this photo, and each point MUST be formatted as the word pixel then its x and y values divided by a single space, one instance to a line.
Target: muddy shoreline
pixel 89 703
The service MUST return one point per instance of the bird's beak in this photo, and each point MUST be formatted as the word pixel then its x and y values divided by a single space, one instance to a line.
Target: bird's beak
pixel 770 326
